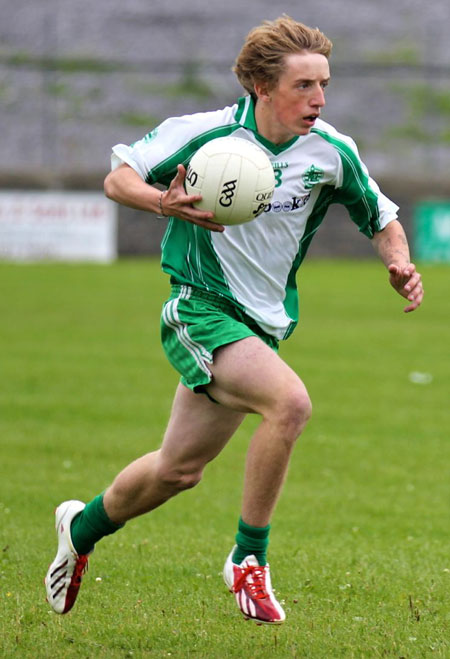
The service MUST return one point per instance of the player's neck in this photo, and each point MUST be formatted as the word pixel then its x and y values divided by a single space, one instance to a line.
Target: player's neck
pixel 268 127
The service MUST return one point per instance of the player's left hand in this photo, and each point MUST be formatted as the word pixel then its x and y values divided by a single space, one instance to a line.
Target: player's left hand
pixel 408 283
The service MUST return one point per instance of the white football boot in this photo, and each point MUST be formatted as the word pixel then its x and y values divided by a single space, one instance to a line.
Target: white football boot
pixel 64 575
pixel 252 588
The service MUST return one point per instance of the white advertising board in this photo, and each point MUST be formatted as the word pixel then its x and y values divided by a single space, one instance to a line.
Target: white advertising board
pixel 61 226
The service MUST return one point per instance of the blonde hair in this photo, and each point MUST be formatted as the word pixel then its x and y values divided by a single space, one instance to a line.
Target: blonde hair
pixel 262 57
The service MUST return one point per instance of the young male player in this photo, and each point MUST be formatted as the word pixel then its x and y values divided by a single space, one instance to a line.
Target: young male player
pixel 234 298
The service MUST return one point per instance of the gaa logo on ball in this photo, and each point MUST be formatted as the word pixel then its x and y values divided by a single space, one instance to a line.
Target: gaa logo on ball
pixel 227 194
pixel 234 176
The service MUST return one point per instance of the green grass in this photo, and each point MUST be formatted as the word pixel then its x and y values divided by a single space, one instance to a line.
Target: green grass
pixel 360 540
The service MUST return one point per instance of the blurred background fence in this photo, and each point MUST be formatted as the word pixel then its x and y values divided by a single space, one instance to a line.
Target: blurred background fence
pixel 77 78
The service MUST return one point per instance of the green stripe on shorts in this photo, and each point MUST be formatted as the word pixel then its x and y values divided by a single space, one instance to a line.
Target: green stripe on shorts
pixel 195 322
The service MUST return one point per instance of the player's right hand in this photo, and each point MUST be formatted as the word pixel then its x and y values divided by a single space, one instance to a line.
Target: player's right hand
pixel 175 201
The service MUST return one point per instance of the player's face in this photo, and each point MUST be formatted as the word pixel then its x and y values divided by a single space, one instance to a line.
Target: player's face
pixel 292 107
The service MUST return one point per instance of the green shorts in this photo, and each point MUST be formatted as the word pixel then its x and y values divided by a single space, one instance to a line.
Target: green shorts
pixel 194 323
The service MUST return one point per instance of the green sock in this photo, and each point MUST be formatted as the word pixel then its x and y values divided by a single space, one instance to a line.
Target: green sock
pixel 251 540
pixel 90 525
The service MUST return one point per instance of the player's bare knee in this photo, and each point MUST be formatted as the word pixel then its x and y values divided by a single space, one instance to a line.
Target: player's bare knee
pixel 306 407
pixel 178 479
pixel 294 411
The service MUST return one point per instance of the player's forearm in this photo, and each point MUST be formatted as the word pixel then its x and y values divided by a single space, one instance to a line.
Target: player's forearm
pixel 391 245
pixel 125 186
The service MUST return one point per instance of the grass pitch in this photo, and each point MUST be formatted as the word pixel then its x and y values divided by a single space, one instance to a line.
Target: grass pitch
pixel 360 539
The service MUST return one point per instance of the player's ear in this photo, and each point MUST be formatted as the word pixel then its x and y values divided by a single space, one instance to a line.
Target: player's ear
pixel 261 90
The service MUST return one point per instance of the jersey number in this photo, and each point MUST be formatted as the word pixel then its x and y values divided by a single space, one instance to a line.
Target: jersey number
pixel 278 176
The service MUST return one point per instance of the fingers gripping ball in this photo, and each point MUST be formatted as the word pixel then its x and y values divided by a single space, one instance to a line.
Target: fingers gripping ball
pixel 234 177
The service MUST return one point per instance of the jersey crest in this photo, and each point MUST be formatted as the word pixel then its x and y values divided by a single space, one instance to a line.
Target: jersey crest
pixel 312 176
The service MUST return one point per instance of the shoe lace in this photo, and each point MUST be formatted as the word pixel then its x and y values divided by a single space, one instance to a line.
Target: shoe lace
pixel 256 583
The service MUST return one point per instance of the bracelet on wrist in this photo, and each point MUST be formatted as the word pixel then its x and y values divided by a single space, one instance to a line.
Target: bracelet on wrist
pixel 161 210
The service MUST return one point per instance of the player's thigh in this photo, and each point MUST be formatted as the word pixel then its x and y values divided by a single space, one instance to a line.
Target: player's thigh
pixel 198 429
pixel 249 376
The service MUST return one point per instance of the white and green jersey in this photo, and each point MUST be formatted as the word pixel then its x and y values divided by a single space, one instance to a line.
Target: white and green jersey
pixel 255 264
